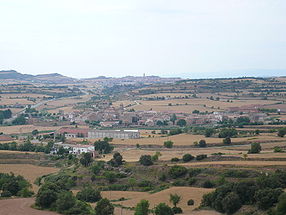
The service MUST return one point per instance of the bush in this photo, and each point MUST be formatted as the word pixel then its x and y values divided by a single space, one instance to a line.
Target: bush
pixel 192 181
pixel 163 209
pixel 281 132
pixel 146 160
pixel 168 144
pixel 201 157
pixel 88 194
pixel 191 202
pixel 227 132
pixel 255 148
pixel 231 203
pixel 202 143
pixel 177 171
pixel 177 210
pixel 208 184
pixel 175 160
pixel 142 208
pixel 104 207
pixel 187 157
pixel 195 171
pixel 179 183
pixel 266 198
pixel 277 149
pixel 227 141
pixel 281 206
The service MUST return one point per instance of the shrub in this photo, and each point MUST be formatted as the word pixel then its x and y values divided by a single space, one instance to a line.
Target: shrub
pixel 179 183
pixel 191 202
pixel 281 206
pixel 177 171
pixel 168 144
pixel 195 171
pixel 277 149
pixel 201 157
pixel 208 184
pixel 192 181
pixel 266 198
pixel 187 157
pixel 177 210
pixel 231 203
pixel 281 132
pixel 175 160
pixel 202 143
pixel 146 160
pixel 255 148
pixel 88 194
pixel 104 207
pixel 227 132
pixel 163 209
pixel 142 208
pixel 227 141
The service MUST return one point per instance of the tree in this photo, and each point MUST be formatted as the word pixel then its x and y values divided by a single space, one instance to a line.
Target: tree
pixel 267 197
pixel 117 160
pixel 47 195
pixel 65 201
pixel 173 119
pixel 281 132
pixel 103 146
pixel 88 194
pixel 255 148
pixel 202 143
pixel 181 122
pixel 168 144
pixel 20 120
pixel 178 171
pixel 163 209
pixel 209 132
pixel 227 141
pixel 142 208
pixel 227 132
pixel 281 206
pixel 86 159
pixel 187 157
pixel 35 132
pixel 104 207
pixel 231 203
pixel 175 199
pixel 146 160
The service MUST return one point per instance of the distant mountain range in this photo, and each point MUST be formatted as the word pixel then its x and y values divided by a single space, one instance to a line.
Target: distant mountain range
pixel 56 78
pixel 44 78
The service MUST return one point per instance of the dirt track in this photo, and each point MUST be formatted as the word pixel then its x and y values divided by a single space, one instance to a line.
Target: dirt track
pixel 20 206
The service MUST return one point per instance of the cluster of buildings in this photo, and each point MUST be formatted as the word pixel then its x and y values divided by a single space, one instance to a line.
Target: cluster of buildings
pixel 97 134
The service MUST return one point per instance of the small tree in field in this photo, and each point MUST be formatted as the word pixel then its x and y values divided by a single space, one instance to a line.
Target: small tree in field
pixel 168 144
pixel 202 143
pixel 146 160
pixel 255 148
pixel 175 199
pixel 142 208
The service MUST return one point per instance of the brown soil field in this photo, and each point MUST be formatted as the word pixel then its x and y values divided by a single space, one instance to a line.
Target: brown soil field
pixel 18 129
pixel 185 192
pixel 196 104
pixel 29 172
pixel 188 139
pixel 133 155
pixel 15 101
pixel 246 163
pixel 21 206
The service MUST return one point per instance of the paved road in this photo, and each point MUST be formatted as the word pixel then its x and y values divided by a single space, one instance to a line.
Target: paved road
pixel 21 206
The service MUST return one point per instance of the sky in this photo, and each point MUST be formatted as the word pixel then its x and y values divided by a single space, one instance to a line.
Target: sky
pixel 182 38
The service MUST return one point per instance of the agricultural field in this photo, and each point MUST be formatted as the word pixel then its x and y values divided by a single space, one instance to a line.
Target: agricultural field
pixel 29 172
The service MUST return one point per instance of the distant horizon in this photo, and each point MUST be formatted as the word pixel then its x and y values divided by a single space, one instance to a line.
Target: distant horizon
pixel 279 73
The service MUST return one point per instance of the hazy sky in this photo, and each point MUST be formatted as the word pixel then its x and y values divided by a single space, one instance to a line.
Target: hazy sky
pixel 191 38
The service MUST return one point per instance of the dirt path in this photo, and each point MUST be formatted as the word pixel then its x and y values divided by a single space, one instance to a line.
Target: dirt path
pixel 21 206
